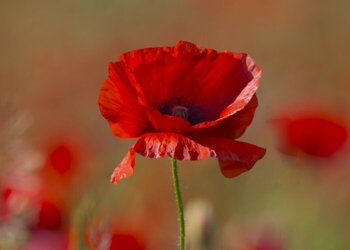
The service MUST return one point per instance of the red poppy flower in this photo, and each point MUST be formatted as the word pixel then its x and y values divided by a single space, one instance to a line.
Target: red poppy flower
pixel 49 216
pixel 122 241
pixel 102 236
pixel 49 213
pixel 16 200
pixel 184 102
pixel 318 135
pixel 61 158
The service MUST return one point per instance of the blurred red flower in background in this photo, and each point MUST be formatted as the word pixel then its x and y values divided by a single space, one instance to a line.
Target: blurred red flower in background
pixel 62 161
pixel 184 102
pixel 102 237
pixel 49 216
pixel 316 134
pixel 48 213
pixel 41 195
pixel 125 241
pixel 61 158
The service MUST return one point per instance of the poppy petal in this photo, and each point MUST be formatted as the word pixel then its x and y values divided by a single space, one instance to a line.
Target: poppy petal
pixel 242 99
pixel 238 158
pixel 166 123
pixel 219 83
pixel 123 241
pixel 316 135
pixel 125 168
pixel 158 70
pixel 159 145
pixel 248 92
pixel 234 157
pixel 160 122
pixel 119 105
pixel 234 126
pixel 315 132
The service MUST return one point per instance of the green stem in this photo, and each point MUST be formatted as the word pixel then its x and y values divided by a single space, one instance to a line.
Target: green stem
pixel 179 203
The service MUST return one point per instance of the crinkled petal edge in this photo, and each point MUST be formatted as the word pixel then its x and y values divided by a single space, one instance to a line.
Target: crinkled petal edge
pixel 234 157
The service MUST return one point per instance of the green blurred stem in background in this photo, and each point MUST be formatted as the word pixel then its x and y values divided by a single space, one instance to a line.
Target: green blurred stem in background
pixel 179 204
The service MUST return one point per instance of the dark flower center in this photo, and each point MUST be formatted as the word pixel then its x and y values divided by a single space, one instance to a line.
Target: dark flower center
pixel 178 107
pixel 180 111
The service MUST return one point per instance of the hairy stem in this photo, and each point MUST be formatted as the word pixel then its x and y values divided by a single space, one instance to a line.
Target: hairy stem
pixel 179 204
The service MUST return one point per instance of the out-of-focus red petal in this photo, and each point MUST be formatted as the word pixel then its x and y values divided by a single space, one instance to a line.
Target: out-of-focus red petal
pixel 125 241
pixel 50 216
pixel 234 126
pixel 316 132
pixel 61 159
pixel 234 157
pixel 119 104
pixel 317 136
pixel 221 84
pixel 125 168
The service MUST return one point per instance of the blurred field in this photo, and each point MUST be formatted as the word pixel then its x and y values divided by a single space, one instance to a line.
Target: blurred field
pixel 54 57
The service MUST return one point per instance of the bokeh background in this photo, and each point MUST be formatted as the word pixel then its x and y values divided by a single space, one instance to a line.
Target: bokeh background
pixel 57 152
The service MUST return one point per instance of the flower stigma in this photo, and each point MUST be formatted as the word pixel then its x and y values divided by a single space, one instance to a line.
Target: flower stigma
pixel 184 109
pixel 180 111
